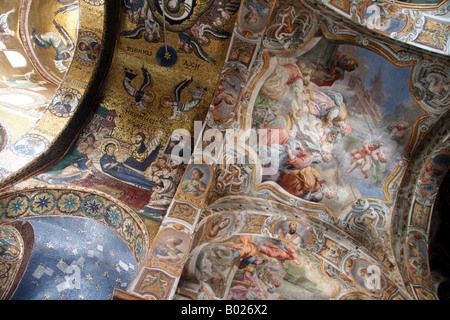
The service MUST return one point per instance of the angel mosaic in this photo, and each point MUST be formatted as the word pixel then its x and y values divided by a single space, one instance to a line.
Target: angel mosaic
pixel 141 96
pixel 153 18
pixel 181 108
pixel 5 31
pixel 61 42
pixel 196 37
pixel 147 26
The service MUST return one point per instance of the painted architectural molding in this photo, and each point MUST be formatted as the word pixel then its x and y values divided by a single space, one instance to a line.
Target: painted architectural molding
pixel 413 215
pixel 313 171
pixel 424 26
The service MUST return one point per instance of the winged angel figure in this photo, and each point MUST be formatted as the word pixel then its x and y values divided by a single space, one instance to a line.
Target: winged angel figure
pixel 63 45
pixel 179 107
pixel 5 32
pixel 195 37
pixel 139 96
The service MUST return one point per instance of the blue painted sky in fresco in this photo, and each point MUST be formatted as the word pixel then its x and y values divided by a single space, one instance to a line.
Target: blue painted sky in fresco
pixel 396 79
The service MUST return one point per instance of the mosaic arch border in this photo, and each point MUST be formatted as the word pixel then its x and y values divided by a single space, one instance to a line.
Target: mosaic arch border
pixel 82 78
pixel 77 202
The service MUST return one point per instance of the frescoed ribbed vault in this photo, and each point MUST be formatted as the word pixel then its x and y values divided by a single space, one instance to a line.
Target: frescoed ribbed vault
pixel 223 150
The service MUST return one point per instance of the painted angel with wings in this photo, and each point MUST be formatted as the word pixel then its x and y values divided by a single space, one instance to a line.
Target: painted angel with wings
pixel 63 45
pixel 179 107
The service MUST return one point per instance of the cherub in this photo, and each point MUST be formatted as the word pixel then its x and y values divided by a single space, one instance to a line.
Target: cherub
pixel 365 150
pixel 366 163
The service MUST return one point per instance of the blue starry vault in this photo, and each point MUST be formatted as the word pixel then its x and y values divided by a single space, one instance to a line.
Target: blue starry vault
pixel 73 259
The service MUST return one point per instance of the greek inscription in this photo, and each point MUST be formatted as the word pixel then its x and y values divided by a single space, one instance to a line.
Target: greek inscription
pixel 139 50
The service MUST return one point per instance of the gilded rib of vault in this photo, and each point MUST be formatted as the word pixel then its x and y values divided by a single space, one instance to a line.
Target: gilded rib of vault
pixel 253 149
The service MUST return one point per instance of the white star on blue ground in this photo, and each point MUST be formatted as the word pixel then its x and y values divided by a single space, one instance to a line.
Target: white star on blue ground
pixel 74 259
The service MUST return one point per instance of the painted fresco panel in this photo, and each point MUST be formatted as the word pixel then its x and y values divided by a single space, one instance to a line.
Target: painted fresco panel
pixel 342 115
pixel 336 120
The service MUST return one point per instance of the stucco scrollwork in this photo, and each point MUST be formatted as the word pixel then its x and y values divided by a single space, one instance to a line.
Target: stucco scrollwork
pixel 367 219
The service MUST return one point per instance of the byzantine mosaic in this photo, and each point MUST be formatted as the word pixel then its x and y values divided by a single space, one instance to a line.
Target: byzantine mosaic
pixel 328 111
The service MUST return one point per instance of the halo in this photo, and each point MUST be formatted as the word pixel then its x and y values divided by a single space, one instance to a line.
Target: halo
pixel 107 142
pixel 87 43
pixel 162 101
pixel 140 130
pixel 64 94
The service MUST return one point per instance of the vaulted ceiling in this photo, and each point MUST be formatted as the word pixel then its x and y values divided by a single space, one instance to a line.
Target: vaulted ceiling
pixel 206 149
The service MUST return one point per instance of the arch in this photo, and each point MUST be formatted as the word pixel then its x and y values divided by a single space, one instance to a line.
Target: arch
pixel 83 79
pixel 410 227
pixel 77 202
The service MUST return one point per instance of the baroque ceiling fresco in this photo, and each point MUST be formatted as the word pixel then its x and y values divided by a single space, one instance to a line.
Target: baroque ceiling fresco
pixel 224 149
